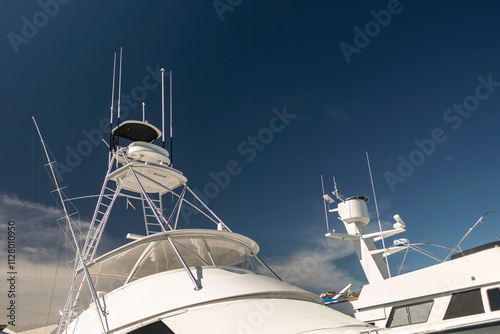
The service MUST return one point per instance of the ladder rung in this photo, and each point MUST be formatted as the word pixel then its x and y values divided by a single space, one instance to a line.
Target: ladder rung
pixel 60 188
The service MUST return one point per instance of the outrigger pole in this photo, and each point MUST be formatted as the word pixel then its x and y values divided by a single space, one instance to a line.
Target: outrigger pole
pixel 79 261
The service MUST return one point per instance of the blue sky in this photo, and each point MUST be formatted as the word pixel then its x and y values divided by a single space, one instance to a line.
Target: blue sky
pixel 287 90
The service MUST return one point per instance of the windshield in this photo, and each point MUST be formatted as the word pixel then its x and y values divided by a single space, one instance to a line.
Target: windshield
pixel 159 255
pixel 199 251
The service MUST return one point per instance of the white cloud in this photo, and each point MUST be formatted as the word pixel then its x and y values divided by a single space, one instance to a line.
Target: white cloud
pixel 313 268
pixel 42 276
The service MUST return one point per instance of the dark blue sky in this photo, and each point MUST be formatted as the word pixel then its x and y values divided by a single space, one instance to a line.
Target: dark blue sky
pixel 418 88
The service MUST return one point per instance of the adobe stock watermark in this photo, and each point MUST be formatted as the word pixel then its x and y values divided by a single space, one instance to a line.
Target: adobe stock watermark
pixel 373 28
pixel 11 273
pixel 251 321
pixel 247 149
pixel 453 117
pixel 93 138
pixel 30 27
pixel 222 7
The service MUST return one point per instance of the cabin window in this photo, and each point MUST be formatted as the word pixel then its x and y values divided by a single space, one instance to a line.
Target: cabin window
pixel 154 328
pixel 410 314
pixel 494 299
pixel 464 303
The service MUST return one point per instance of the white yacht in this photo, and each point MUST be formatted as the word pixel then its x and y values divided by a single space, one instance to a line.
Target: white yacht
pixel 173 279
pixel 459 294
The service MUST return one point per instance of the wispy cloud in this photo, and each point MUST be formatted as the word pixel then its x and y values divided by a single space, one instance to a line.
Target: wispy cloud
pixel 42 273
pixel 313 268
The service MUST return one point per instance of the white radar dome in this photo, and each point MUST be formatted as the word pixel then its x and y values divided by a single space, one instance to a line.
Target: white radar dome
pixel 354 210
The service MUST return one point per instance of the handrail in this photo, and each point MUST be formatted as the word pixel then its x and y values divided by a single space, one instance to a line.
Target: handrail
pixel 197 285
pixel 480 220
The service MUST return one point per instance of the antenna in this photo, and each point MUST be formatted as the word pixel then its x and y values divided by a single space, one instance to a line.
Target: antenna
pixel 378 216
pixel 335 189
pixel 336 192
pixel 144 111
pixel 171 124
pixel 163 107
pixel 119 89
pixel 324 204
pixel 112 104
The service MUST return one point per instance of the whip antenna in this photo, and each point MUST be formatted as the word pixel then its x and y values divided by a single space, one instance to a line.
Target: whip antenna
pixel 171 123
pixel 163 107
pixel 324 204
pixel 119 89
pixel 112 104
pixel 378 216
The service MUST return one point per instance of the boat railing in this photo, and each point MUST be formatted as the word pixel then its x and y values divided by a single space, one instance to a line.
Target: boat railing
pixel 480 221
pixel 451 254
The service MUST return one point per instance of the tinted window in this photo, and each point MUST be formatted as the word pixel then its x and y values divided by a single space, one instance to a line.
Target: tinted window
pixel 494 299
pixel 464 303
pixel 154 328
pixel 410 314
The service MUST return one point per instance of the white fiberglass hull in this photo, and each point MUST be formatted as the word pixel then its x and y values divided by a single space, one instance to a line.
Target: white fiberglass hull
pixel 227 303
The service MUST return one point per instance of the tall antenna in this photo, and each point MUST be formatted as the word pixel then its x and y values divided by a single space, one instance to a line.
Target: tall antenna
pixel 324 203
pixel 378 216
pixel 119 89
pixel 144 111
pixel 112 104
pixel 163 107
pixel 171 124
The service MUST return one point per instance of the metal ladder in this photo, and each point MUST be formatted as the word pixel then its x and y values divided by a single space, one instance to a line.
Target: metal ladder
pixel 152 224
pixel 105 203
